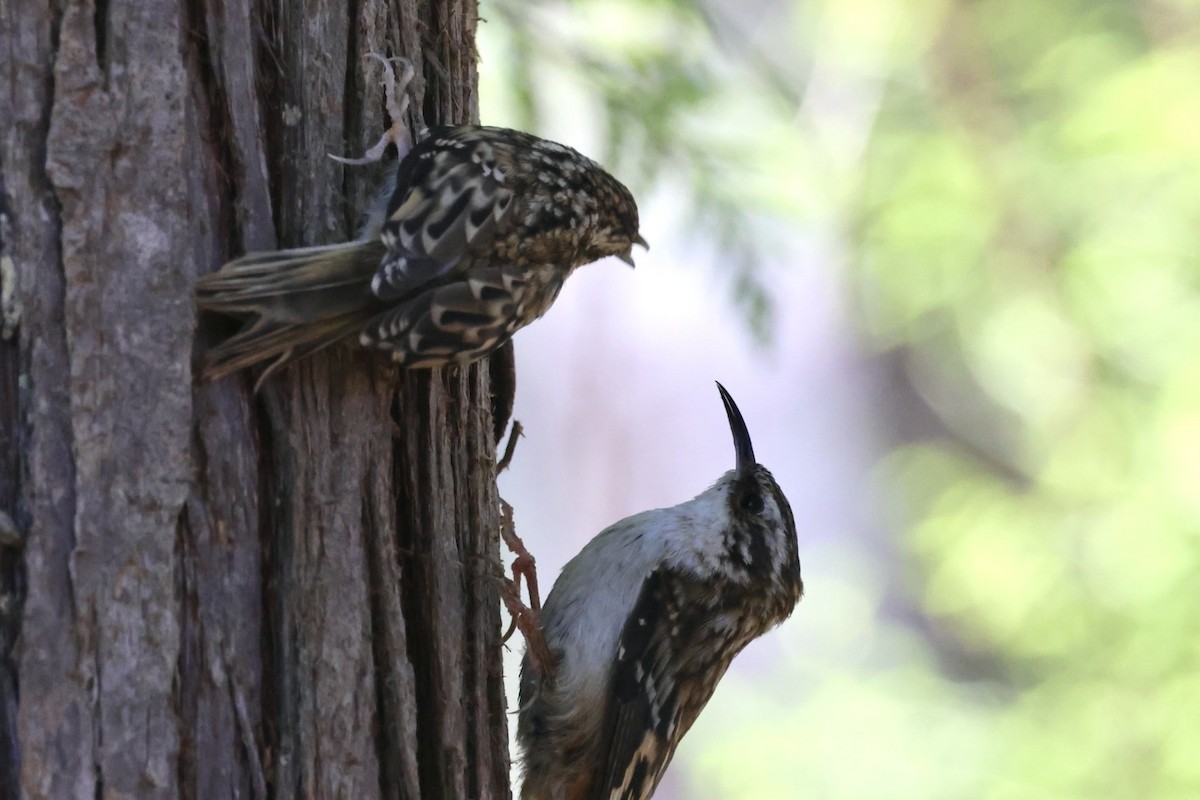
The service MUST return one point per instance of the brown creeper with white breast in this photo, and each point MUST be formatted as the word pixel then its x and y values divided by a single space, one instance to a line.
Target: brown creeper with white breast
pixel 643 623
pixel 483 227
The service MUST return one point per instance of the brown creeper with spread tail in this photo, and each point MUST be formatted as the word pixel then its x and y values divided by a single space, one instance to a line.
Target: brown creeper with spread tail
pixel 643 623
pixel 483 227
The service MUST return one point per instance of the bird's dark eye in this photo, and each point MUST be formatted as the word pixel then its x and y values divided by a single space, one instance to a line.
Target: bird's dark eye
pixel 752 502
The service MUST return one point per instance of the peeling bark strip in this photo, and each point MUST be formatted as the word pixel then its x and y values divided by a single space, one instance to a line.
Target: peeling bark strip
pixel 101 624
pixel 220 595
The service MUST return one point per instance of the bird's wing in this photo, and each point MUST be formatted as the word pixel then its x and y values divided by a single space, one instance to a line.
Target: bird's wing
pixel 643 721
pixel 454 322
pixel 451 198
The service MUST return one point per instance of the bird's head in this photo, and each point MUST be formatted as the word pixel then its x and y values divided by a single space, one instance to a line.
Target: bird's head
pixel 758 529
pixel 617 228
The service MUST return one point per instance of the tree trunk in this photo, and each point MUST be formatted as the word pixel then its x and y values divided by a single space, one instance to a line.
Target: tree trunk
pixel 206 593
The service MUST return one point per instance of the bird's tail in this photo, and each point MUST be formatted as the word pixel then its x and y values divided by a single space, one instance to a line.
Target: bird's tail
pixel 294 302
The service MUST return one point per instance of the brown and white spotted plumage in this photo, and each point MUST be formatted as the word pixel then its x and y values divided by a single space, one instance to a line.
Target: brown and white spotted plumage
pixel 508 216
pixel 643 624
pixel 483 227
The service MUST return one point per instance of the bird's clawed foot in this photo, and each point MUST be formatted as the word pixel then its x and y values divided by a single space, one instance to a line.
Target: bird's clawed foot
pixel 515 433
pixel 396 101
pixel 524 618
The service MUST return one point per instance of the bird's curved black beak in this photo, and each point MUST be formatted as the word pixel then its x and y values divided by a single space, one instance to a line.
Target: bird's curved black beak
pixel 741 437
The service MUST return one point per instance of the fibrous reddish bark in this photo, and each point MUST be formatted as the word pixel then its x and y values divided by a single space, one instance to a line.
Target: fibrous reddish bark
pixel 209 593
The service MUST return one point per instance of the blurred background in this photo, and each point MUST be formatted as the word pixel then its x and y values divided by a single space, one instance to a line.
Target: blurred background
pixel 945 256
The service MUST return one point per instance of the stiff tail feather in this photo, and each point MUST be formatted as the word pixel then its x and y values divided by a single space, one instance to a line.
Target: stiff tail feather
pixel 294 303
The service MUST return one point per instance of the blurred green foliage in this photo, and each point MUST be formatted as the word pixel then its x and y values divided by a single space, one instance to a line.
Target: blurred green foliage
pixel 1016 186
pixel 1027 230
